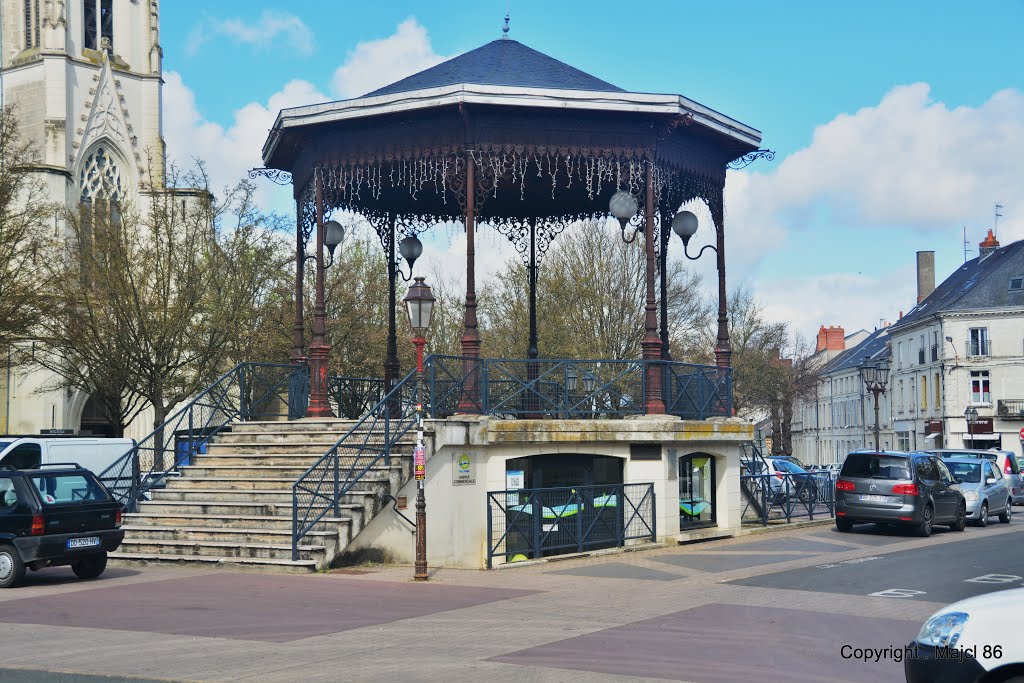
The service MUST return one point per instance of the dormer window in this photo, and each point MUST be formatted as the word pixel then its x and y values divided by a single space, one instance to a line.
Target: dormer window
pixel 99 25
pixel 1016 284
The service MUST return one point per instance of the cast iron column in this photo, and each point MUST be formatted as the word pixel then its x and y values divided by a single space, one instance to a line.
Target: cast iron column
pixel 470 336
pixel 876 417
pixel 319 350
pixel 723 350
pixel 651 344
pixel 299 330
pixel 533 350
pixel 392 366
pixel 420 565
pixel 666 353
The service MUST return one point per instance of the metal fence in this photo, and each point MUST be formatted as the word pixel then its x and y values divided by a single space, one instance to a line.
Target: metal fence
pixel 249 391
pixel 784 497
pixel 532 523
pixel 353 397
pixel 594 389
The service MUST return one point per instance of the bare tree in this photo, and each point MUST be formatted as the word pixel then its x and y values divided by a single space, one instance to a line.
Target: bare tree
pixel 25 215
pixel 150 304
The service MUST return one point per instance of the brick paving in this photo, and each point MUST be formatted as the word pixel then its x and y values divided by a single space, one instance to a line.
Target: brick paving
pixel 475 625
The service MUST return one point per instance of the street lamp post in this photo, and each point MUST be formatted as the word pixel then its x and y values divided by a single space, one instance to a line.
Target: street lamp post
pixel 971 415
pixel 875 376
pixel 329 234
pixel 419 304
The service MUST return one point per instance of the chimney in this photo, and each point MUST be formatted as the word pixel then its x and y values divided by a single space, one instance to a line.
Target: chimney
pixel 835 338
pixel 987 246
pixel 822 344
pixel 925 274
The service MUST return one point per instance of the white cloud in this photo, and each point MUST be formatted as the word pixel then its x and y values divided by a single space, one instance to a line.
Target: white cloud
pixel 375 63
pixel 272 29
pixel 908 164
pixel 229 152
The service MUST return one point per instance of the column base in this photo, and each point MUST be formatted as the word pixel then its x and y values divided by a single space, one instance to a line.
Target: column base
pixel 319 403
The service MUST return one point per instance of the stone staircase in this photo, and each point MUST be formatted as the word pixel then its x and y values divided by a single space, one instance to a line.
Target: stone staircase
pixel 233 505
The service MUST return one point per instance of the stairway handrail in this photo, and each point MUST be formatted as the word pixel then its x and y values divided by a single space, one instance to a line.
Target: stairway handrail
pixel 125 477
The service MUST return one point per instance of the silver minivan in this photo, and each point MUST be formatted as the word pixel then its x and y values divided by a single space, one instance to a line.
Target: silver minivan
pixel 984 488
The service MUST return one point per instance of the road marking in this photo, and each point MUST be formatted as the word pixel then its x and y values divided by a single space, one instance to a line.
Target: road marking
pixel 856 560
pixel 994 578
pixel 897 593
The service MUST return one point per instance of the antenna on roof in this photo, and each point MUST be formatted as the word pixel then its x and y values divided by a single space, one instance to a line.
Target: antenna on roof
pixel 965 244
pixel 508 10
pixel 995 223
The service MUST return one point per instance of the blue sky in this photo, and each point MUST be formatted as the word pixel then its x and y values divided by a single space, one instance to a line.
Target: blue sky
pixel 917 108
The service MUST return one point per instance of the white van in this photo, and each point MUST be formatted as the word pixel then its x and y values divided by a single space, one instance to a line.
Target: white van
pixel 92 453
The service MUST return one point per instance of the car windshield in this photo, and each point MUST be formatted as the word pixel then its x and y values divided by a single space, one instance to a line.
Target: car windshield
pixel 57 489
pixel 965 472
pixel 987 456
pixel 796 461
pixel 874 466
pixel 788 466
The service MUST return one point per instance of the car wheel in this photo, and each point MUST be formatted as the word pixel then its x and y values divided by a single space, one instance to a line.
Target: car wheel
pixel 807 494
pixel 89 567
pixel 1007 513
pixel 983 517
pixel 925 527
pixel 960 521
pixel 844 525
pixel 12 569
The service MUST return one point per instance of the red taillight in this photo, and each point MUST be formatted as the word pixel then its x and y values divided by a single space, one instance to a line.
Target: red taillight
pixel 905 489
pixel 1007 469
pixel 906 519
pixel 780 475
pixel 840 514
pixel 117 519
pixel 844 485
pixel 38 525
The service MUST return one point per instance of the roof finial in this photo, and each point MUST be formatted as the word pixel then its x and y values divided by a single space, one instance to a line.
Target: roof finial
pixel 504 29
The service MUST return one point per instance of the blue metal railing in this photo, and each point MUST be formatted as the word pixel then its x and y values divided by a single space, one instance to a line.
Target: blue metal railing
pixel 532 523
pixel 248 391
pixel 318 491
pixel 785 497
pixel 600 389
pixel 353 397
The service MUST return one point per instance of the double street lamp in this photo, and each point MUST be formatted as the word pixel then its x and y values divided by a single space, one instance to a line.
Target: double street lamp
pixel 875 376
pixel 419 303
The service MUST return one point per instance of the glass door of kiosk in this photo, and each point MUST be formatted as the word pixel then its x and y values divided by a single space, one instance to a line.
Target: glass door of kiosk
pixel 696 490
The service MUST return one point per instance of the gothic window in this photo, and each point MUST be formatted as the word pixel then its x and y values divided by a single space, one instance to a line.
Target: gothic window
pixel 100 177
pixel 31 24
pixel 99 24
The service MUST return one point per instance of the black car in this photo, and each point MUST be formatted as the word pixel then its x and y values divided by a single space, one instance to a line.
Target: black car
pixel 912 489
pixel 57 515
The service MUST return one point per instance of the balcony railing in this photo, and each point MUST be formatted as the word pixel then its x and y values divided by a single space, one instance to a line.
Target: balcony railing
pixel 979 347
pixel 935 352
pixel 920 356
pixel 1010 408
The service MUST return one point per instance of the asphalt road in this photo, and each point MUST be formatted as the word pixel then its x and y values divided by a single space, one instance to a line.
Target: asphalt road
pixel 981 562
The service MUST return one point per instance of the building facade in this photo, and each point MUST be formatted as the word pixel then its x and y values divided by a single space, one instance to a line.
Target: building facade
pixel 85 79
pixel 960 347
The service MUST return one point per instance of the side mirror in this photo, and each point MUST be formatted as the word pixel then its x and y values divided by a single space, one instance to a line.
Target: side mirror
pixel 990 480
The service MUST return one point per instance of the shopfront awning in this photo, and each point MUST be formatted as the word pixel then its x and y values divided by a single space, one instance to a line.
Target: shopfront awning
pixel 934 435
pixel 981 437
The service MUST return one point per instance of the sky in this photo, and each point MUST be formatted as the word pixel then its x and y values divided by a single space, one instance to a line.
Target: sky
pixel 895 125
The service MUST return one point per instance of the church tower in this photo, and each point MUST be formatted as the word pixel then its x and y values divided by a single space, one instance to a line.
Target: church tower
pixel 85 77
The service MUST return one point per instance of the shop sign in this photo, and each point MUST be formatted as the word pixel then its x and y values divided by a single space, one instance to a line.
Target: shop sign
pixel 420 463
pixel 983 425
pixel 463 469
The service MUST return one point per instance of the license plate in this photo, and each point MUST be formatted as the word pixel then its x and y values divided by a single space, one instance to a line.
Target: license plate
pixel 874 499
pixel 88 542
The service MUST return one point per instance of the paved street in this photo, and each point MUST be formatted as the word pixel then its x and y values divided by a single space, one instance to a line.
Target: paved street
pixel 722 611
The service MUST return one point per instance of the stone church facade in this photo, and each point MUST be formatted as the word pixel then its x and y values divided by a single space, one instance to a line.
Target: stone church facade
pixel 85 77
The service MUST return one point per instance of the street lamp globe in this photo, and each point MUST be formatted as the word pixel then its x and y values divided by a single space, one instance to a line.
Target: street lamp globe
pixel 571 377
pixel 589 380
pixel 419 303
pixel 623 207
pixel 410 248
pixel 971 414
pixel 334 234
pixel 685 225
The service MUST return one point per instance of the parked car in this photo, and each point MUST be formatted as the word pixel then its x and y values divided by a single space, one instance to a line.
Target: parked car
pixel 793 459
pixel 52 516
pixel 786 479
pixel 970 641
pixel 910 489
pixel 1005 460
pixel 984 488
pixel 93 453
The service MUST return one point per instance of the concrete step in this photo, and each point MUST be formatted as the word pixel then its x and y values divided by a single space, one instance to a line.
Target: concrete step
pixel 282 551
pixel 220 457
pixel 316 449
pixel 237 521
pixel 271 471
pixel 299 426
pixel 216 508
pixel 241 535
pixel 272 496
pixel 233 563
pixel 379 481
